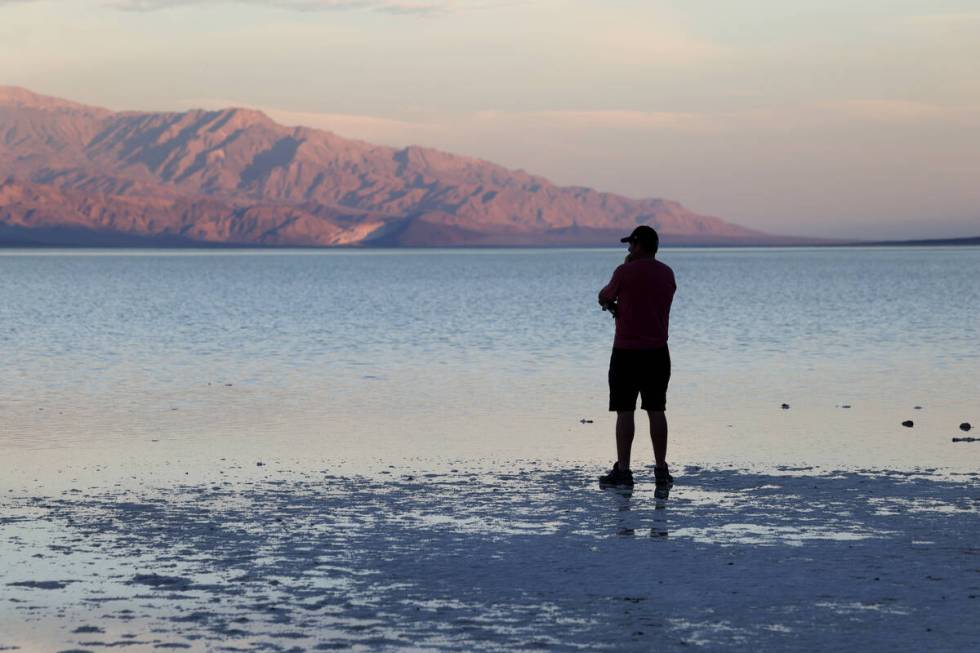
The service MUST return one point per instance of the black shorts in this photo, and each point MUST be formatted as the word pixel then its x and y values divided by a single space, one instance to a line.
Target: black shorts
pixel 644 372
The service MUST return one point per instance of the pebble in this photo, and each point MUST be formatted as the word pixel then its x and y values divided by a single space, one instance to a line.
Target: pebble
pixel 908 423
pixel 965 426
pixel 585 421
pixel 966 439
pixel 785 406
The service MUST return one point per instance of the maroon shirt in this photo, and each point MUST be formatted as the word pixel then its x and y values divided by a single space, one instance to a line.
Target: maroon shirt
pixel 643 291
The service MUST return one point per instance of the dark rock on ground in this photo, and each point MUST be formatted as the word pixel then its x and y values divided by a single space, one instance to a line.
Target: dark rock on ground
pixel 965 426
pixel 42 584
pixel 908 423
pixel 164 582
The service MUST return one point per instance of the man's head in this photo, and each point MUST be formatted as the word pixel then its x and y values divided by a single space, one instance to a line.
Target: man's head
pixel 643 241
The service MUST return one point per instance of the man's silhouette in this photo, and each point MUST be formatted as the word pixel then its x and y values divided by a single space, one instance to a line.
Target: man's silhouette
pixel 639 295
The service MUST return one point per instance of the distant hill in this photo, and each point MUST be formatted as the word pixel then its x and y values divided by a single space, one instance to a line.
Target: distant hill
pixel 75 174
pixel 937 242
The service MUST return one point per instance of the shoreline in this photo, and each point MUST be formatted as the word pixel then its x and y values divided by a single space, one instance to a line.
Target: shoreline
pixel 235 250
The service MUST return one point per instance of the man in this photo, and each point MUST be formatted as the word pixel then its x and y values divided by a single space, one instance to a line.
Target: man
pixel 639 297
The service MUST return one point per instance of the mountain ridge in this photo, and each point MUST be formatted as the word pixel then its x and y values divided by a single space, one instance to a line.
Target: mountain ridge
pixel 234 176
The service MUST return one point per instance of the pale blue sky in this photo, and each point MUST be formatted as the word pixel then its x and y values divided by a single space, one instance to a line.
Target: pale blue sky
pixel 821 117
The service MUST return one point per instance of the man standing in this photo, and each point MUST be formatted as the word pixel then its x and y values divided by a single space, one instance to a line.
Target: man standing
pixel 639 297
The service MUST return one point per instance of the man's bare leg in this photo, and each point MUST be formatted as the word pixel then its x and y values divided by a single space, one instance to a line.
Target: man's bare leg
pixel 658 434
pixel 624 438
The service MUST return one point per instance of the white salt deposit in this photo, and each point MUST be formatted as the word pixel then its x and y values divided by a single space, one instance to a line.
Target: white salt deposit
pixel 521 557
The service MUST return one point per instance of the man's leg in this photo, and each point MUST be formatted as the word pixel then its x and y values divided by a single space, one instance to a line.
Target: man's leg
pixel 658 434
pixel 624 438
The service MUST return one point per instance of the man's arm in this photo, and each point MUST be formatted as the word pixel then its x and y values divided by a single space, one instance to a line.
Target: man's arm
pixel 609 294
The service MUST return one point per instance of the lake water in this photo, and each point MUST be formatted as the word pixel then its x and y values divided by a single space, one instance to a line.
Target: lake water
pixel 481 354
pixel 390 450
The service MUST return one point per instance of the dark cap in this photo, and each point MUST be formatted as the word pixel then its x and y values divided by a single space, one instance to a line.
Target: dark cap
pixel 646 236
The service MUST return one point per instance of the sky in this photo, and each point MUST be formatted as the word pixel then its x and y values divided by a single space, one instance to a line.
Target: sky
pixel 831 118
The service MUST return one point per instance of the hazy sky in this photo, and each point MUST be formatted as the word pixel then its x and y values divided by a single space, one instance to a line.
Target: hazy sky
pixel 816 117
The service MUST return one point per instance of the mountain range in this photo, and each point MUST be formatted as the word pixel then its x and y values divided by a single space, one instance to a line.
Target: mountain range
pixel 72 174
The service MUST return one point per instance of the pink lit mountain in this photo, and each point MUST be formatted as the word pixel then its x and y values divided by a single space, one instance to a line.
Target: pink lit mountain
pixel 78 175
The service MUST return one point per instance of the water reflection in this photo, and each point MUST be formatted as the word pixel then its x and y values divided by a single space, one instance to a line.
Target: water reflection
pixel 621 498
pixel 659 526
pixel 631 510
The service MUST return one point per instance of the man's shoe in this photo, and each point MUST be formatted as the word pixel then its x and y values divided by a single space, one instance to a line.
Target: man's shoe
pixel 617 478
pixel 662 476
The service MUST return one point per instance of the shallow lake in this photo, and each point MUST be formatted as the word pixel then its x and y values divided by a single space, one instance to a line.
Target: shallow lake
pixel 481 354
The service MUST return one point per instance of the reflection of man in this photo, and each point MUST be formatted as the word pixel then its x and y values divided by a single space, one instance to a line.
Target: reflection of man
pixel 639 296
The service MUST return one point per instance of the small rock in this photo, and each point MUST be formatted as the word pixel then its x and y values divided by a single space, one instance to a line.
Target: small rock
pixel 785 406
pixel 585 421
pixel 260 464
pixel 174 583
pixel 965 426
pixel 966 439
pixel 87 629
pixel 43 584
pixel 846 406
pixel 908 423
pixel 917 407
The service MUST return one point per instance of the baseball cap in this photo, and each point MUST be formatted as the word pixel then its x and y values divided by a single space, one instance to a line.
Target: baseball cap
pixel 644 235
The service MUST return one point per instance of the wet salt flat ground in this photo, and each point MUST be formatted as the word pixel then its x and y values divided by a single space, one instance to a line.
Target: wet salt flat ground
pixel 266 559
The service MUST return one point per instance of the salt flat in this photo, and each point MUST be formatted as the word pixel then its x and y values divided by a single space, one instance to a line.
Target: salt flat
pixel 477 556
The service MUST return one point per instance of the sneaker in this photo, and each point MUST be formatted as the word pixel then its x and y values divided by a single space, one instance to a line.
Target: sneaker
pixel 617 478
pixel 662 476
